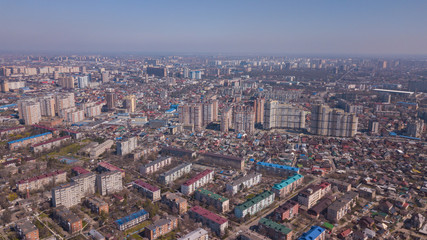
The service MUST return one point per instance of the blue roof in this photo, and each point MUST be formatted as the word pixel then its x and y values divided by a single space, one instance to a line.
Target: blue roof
pixel 27 138
pixel 171 110
pixel 8 106
pixel 131 217
pixel 273 165
pixel 313 233
pixel 408 137
pixel 286 182
pixel 407 103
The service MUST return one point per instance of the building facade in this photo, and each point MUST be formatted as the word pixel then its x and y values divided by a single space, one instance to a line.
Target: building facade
pixel 197 181
pixel 247 181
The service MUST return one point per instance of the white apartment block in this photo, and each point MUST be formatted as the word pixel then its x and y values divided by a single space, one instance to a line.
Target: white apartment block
pixel 175 173
pixel 247 181
pixel 87 183
pixel 109 182
pixel 155 165
pixel 67 195
pixel 313 193
pixel 29 111
pixel 100 149
pixel 125 147
pixel 197 181
pixel 198 234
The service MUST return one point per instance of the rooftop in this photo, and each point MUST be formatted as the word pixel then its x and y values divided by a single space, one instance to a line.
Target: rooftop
pixel 209 215
pixel 197 177
pixel 254 200
pixel 287 182
pixel 212 195
pixel 313 233
pixel 145 185
pixel 273 165
pixel 31 137
pixel 274 225
pixel 131 217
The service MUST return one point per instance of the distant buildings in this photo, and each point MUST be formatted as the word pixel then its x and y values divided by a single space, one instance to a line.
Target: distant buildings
pixel 280 115
pixel 132 220
pixel 83 82
pixel 198 114
pixel 276 168
pixel 111 99
pixel 332 122
pixel 244 182
pixel 175 173
pixel 66 82
pixel 130 103
pixel 415 128
pixel 215 222
pixel 226 119
pixel 197 75
pixel 259 110
pixel 157 71
pixel 224 160
pixel 255 204
pixel 24 142
pixel 197 181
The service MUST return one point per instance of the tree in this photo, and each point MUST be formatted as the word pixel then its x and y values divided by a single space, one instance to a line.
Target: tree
pixel 7 216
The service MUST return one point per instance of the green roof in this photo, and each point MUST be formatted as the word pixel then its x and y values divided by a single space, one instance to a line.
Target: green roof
pixel 274 225
pixel 328 225
pixel 287 182
pixel 254 200
pixel 212 195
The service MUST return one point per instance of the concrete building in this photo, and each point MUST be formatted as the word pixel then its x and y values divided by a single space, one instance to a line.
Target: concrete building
pixel 222 204
pixel 274 230
pixel 111 99
pixel 64 101
pixel 24 142
pixel 341 206
pixel 130 103
pixel 175 173
pixel 178 152
pixel 313 193
pixel 226 119
pixel 315 233
pixel 108 167
pixel 246 181
pixel 29 110
pixel 87 182
pixel 147 190
pixel 132 220
pixel 41 181
pixel 100 148
pixel 126 146
pixel 157 71
pixel 197 181
pixel 259 105
pixel 68 220
pixel 332 122
pixel 155 165
pixel 373 127
pixel 49 144
pixel 280 115
pixel 286 211
pixel 224 161
pixel 67 195
pixel 276 169
pixel 47 106
pixel 198 234
pixel 13 130
pixel 285 187
pixel 161 227
pixel 27 230
pixel 83 82
pixel 244 119
pixel 97 205
pixel 105 77
pixel 210 112
pixel 191 114
pixel 255 204
pixel 415 128
pixel 215 222
pixel 109 182
pixel 175 202
pixel 341 185
pixel 66 82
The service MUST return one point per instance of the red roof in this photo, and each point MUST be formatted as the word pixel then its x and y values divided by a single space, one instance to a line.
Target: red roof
pixel 209 215
pixel 347 232
pixel 41 177
pixel 146 185
pixel 50 141
pixel 110 166
pixel 197 177
pixel 79 170
pixel 10 129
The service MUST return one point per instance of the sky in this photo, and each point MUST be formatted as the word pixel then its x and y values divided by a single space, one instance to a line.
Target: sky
pixel 359 27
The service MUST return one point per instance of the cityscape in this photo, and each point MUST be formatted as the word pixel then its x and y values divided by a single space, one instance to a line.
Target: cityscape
pixel 168 143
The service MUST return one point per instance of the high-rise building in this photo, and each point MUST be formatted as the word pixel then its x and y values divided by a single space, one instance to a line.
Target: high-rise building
pixel 126 146
pixel 259 109
pixel 111 99
pixel 226 119
pixel 29 111
pixel 109 182
pixel 186 72
pixel 332 122
pixel 244 119
pixel 374 126
pixel 196 75
pixel 66 82
pixel 130 103
pixel 157 71
pixel 280 115
pixel 210 112
pixel 105 77
pixel 191 114
pixel 64 101
pixel 83 82
pixel 47 106
pixel 5 86
pixel 415 128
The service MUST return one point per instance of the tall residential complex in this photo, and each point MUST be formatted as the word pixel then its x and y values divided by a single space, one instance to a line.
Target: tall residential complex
pixel 226 119
pixel 66 82
pixel 126 146
pixel 47 106
pixel 83 82
pixel 244 119
pixel 29 111
pixel 109 182
pixel 280 115
pixel 130 103
pixel 111 98
pixel 259 109
pixel 332 122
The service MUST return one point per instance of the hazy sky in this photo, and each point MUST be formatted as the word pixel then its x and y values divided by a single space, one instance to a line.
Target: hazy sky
pixel 232 26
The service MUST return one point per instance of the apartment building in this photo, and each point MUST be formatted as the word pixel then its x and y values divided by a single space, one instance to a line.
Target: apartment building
pixel 109 182
pixel 246 181
pixel 41 181
pixel 87 182
pixel 175 173
pixel 97 205
pixel 281 115
pixel 255 204
pixel 178 152
pixel 49 144
pixel 29 110
pixel 332 122
pixel 341 206
pixel 23 142
pixel 222 204
pixel 274 230
pixel 100 148
pixel 67 220
pixel 126 146
pixel 225 161
pixel 313 193
pixel 27 230
pixel 160 227
pixel 108 167
pixel 67 195
pixel 132 220
pixel 13 130
pixel 244 119
pixel 149 191
pixel 198 234
pixel 215 222
pixel 287 186
pixel 155 165
pixel 315 233
pixel 341 185
pixel 286 211
pixel 276 169
pixel 175 202
pixel 197 181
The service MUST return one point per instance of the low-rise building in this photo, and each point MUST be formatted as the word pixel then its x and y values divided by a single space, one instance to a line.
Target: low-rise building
pixel 367 193
pixel 13 130
pixel 276 169
pixel 132 220
pixel 175 173
pixel 49 144
pixel 149 191
pixel 161 227
pixel 197 181
pixel 109 182
pixel 221 203
pixel 68 220
pixel 27 230
pixel 286 211
pixel 341 206
pixel 274 230
pixel 313 193
pixel 244 182
pixel 100 148
pixel 287 186
pixel 224 161
pixel 155 165
pixel 251 235
pixel 255 204
pixel 175 202
pixel 178 152
pixel 23 142
pixel 341 185
pixel 39 182
pixel 198 234
pixel 315 233
pixel 215 222
pixel 97 205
